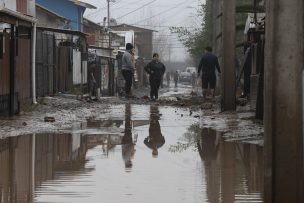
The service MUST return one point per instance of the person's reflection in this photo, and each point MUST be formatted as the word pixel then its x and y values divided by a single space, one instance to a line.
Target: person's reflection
pixel 208 148
pixel 128 147
pixel 155 140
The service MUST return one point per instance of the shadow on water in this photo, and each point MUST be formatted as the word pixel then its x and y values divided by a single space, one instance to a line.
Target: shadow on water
pixel 115 164
pixel 233 171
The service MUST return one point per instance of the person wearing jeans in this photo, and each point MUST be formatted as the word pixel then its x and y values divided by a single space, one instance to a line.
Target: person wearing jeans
pixel 128 68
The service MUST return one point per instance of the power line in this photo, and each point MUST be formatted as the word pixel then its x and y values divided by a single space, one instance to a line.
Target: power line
pixel 165 11
pixel 165 26
pixel 135 3
pixel 102 8
pixel 131 7
pixel 136 9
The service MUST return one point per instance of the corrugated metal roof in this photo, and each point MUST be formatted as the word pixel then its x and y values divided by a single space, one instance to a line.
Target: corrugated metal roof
pixel 65 31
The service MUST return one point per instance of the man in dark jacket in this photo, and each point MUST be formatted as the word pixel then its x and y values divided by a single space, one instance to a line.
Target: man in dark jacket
pixel 207 65
pixel 156 70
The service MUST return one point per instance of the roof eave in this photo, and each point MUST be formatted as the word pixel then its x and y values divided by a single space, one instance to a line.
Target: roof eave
pixel 18 15
pixel 83 4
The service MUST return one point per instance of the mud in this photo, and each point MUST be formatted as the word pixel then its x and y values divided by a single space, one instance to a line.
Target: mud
pixel 67 110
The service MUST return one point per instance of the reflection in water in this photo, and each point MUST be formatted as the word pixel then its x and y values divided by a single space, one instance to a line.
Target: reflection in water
pixel 128 146
pixel 16 171
pixel 155 140
pixel 234 171
pixel 208 148
pixel 72 168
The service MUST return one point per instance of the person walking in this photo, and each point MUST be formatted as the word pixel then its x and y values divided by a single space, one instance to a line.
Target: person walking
pixel 128 68
pixel 207 66
pixel 168 79
pixel 193 79
pixel 176 76
pixel 247 68
pixel 92 81
pixel 156 70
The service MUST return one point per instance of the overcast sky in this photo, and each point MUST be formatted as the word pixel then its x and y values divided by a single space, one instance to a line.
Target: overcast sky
pixel 154 14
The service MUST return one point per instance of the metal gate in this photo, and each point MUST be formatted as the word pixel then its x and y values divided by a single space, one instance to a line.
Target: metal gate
pixel 45 64
pixel 4 73
pixel 64 73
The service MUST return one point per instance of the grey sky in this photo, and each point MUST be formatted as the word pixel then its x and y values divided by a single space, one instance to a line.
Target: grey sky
pixel 144 13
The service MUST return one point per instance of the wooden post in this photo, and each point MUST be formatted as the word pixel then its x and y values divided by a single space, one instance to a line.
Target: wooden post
pixel 283 116
pixel 12 98
pixel 228 77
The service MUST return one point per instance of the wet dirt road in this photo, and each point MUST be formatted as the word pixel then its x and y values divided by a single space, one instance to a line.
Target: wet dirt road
pixel 139 153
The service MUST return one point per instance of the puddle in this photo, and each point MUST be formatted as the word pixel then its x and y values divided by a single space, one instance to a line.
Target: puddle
pixel 146 154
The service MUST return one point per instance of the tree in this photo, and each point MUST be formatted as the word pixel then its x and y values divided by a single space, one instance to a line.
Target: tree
pixel 195 40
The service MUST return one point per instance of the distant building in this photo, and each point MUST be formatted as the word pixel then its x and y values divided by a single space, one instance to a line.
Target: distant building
pixel 96 34
pixel 71 9
pixel 143 38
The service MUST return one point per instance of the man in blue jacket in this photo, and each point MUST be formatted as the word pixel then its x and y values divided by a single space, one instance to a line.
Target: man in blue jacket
pixel 207 66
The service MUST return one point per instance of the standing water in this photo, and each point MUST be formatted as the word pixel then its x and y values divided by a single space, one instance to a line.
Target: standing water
pixel 142 154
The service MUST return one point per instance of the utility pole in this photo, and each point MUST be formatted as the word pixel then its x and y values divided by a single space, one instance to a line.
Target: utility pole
pixel 108 24
pixel 108 13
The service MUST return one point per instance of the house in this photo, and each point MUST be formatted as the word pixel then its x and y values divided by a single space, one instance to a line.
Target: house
pixel 96 34
pixel 61 61
pixel 73 10
pixel 100 57
pixel 26 7
pixel 142 38
pixel 48 18
pixel 16 74
pixel 63 66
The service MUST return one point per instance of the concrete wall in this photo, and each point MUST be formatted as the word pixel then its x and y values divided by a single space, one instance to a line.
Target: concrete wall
pixel 10 4
pixel 31 8
pixel 144 42
pixel 77 69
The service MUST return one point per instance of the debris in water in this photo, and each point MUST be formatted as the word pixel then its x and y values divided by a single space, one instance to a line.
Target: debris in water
pixel 49 119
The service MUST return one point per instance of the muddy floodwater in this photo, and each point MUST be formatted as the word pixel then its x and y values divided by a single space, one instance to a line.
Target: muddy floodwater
pixel 133 154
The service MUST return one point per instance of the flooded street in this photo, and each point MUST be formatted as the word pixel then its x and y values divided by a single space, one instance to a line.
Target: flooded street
pixel 140 153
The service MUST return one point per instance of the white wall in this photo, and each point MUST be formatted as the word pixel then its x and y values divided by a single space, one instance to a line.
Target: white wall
pixel 31 7
pixel 10 4
pixel 77 69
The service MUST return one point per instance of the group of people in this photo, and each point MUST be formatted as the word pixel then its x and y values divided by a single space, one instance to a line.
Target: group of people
pixel 175 76
pixel 156 70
